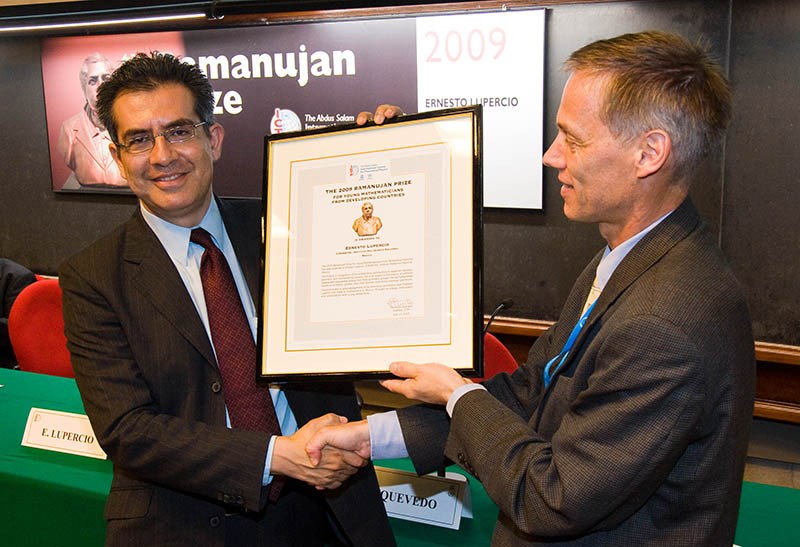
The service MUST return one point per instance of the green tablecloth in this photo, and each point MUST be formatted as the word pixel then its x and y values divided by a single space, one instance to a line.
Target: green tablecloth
pixel 49 498
pixel 769 516
pixel 474 532
pixel 55 499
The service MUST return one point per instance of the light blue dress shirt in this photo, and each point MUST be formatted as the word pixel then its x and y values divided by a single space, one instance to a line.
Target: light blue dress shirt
pixel 186 256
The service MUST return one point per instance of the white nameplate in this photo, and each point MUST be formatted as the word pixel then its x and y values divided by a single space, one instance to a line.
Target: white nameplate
pixel 428 499
pixel 61 432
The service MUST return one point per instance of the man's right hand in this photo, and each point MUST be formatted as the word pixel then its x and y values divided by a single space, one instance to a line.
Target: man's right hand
pixel 352 437
pixel 328 470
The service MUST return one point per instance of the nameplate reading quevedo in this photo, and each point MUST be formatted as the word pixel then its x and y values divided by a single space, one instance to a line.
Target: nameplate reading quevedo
pixel 427 499
pixel 61 432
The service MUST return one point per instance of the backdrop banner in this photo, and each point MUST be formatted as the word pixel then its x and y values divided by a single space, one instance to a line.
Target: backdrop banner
pixel 281 78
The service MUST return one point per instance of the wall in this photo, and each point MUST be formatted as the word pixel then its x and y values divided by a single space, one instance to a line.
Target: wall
pixel 760 234
pixel 37 227
pixel 532 256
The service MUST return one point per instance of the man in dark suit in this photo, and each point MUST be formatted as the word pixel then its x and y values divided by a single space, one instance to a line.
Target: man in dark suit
pixel 13 278
pixel 138 332
pixel 634 430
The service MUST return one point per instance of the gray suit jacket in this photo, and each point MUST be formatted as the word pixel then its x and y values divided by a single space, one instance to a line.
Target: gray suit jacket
pixel 151 388
pixel 641 439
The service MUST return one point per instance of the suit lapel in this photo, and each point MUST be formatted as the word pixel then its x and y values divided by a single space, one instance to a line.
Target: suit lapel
pixel 155 276
pixel 673 229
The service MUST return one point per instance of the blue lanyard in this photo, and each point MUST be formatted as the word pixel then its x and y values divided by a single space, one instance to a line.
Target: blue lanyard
pixel 549 372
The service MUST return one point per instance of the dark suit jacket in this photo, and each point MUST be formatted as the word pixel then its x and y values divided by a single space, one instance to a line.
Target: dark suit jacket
pixel 641 439
pixel 13 278
pixel 151 388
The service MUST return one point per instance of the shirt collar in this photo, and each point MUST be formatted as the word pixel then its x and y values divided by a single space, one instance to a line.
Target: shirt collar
pixel 611 259
pixel 175 239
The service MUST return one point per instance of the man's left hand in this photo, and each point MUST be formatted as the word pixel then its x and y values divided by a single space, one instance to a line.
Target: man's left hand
pixel 430 382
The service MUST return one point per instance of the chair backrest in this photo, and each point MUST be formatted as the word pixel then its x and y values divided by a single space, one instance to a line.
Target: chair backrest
pixel 36 330
pixel 496 357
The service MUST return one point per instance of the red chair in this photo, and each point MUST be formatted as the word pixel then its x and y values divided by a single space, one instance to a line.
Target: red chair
pixel 496 358
pixel 36 330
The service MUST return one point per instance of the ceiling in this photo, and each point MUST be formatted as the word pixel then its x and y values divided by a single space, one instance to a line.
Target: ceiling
pixel 17 16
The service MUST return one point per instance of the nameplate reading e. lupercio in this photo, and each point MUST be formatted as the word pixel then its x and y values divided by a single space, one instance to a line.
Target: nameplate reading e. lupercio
pixel 61 432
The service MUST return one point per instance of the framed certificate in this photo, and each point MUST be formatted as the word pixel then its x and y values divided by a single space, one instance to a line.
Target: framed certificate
pixel 372 248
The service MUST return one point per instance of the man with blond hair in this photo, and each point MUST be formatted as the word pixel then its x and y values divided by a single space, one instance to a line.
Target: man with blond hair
pixel 628 424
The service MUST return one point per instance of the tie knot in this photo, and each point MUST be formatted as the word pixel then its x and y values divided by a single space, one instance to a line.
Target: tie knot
pixel 201 237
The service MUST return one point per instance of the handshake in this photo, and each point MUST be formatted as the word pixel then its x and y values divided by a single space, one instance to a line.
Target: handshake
pixel 326 451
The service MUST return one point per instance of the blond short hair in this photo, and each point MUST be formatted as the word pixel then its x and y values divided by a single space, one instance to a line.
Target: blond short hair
pixel 658 80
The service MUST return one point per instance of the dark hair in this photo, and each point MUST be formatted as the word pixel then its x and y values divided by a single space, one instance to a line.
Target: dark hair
pixel 658 80
pixel 146 72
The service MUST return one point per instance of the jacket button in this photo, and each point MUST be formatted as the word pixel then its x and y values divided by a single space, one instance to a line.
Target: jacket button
pixel 216 387
pixel 214 521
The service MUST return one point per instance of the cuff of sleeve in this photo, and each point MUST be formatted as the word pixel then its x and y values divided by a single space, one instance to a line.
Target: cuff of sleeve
pixel 458 393
pixel 385 436
pixel 267 478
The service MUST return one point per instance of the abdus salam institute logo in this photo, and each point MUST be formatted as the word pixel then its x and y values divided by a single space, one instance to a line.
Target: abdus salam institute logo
pixel 283 121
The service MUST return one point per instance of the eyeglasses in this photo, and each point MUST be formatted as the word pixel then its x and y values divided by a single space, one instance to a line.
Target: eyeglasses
pixel 144 142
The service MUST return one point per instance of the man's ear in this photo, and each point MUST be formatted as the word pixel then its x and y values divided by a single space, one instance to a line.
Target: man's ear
pixel 216 135
pixel 114 150
pixel 655 149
